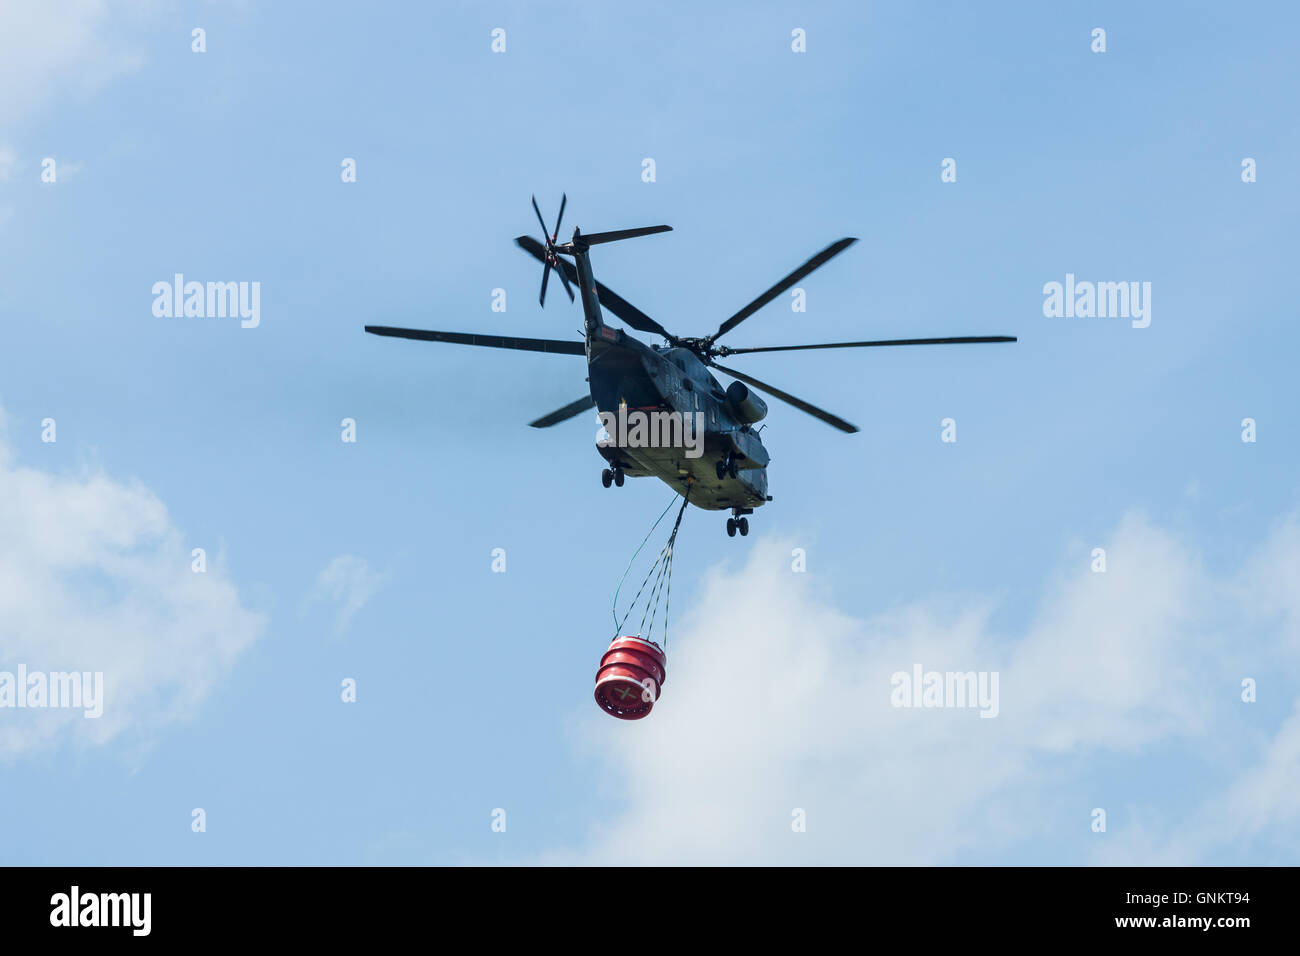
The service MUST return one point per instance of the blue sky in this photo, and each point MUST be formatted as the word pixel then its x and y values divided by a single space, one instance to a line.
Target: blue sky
pixel 474 689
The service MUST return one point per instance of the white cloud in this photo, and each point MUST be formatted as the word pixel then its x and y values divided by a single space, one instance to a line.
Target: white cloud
pixel 348 582
pixel 1269 793
pixel 95 577
pixel 1269 585
pixel 54 48
pixel 776 700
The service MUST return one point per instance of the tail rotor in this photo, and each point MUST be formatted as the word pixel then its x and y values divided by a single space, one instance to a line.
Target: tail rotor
pixel 552 259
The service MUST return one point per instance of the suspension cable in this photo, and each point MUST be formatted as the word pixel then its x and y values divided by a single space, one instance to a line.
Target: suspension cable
pixel 613 610
pixel 663 565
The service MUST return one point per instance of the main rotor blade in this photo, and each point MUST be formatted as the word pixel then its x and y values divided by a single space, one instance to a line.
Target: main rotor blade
pixel 488 341
pixel 629 313
pixel 798 403
pixel 956 340
pixel 539 217
pixel 596 238
pixel 565 413
pixel 830 252
pixel 607 296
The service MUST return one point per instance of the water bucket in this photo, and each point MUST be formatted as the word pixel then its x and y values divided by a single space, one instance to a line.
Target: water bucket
pixel 630 677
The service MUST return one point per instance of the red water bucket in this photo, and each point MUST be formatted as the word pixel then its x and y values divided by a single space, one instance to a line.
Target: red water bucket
pixel 630 677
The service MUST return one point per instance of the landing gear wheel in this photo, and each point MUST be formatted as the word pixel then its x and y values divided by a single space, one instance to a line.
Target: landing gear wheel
pixel 619 477
pixel 731 470
pixel 731 527
pixel 606 477
pixel 743 526
pixel 721 468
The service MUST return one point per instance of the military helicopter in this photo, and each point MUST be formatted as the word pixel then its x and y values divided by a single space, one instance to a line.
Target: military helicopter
pixel 728 469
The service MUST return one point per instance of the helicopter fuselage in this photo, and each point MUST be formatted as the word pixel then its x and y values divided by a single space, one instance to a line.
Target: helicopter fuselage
pixel 728 468
pixel 627 376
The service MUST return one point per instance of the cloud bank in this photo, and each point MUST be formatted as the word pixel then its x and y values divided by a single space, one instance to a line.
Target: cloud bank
pixel 57 48
pixel 778 702
pixel 95 577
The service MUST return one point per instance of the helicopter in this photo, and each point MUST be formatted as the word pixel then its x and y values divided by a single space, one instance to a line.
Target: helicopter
pixel 725 466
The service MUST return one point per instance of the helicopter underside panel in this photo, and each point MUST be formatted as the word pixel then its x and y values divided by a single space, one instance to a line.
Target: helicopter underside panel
pixel 747 490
